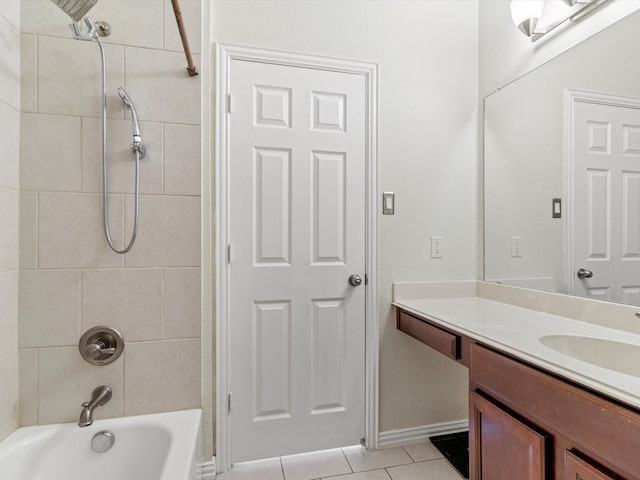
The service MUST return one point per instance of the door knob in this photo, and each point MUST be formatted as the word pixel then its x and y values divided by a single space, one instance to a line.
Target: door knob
pixel 355 280
pixel 582 274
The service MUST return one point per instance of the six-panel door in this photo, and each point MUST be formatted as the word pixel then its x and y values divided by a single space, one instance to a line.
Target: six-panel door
pixel 297 229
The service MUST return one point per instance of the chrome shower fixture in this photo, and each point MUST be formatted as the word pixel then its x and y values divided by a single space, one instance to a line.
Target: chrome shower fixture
pixel 136 146
pixel 76 9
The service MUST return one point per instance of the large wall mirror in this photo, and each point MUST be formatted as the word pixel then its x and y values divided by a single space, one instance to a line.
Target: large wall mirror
pixel 562 172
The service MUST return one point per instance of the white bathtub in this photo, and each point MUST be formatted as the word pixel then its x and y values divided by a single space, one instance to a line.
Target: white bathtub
pixel 147 447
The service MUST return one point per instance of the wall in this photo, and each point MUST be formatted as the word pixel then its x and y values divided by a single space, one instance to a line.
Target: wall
pixel 428 63
pixel 9 212
pixel 69 279
pixel 506 54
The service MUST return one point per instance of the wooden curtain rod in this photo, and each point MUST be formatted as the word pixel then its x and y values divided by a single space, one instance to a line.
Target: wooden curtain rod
pixel 191 68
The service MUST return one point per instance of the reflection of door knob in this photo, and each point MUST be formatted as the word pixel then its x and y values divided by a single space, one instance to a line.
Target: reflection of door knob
pixel 582 274
pixel 355 280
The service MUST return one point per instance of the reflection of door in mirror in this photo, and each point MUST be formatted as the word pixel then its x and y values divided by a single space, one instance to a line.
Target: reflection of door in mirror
pixel 527 164
pixel 605 197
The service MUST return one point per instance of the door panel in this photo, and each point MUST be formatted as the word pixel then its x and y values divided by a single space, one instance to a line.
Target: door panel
pixel 297 231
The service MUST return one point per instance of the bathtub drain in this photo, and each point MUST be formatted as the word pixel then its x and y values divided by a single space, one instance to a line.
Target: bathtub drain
pixel 102 441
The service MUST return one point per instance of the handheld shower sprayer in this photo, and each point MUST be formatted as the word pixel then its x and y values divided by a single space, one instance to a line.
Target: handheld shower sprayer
pixel 137 145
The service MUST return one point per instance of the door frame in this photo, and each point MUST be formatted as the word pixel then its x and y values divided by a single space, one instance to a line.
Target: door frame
pixel 573 96
pixel 224 55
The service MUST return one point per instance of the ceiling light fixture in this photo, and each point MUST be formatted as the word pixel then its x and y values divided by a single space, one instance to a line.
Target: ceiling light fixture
pixel 526 15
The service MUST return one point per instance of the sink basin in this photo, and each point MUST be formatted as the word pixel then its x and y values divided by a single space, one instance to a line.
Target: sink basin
pixel 617 356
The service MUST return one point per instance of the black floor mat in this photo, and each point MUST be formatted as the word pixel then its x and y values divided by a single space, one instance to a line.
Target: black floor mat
pixel 455 448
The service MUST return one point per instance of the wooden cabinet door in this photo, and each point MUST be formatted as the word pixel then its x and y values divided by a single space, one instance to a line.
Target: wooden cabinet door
pixel 501 447
pixel 577 469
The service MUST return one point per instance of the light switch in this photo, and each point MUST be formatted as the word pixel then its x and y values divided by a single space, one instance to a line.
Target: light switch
pixel 388 203
pixel 516 246
pixel 556 208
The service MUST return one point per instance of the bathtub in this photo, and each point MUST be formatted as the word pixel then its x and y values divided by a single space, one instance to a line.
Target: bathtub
pixel 147 447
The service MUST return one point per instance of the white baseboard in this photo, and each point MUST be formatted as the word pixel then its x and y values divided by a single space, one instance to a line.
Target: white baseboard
pixel 206 470
pixel 406 436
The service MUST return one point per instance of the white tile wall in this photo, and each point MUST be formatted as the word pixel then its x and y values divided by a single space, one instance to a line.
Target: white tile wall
pixel 65 380
pixel 191 15
pixel 49 307
pixel 182 159
pixel 163 375
pixel 181 303
pixel 129 300
pixel 9 64
pixel 9 211
pixel 168 234
pixel 29 72
pixel 50 153
pixel 10 128
pixel 28 230
pixel 70 231
pixel 28 386
pixel 10 10
pixel 154 75
pixel 9 393
pixel 69 77
pixel 120 160
pixel 70 279
pixel 9 201
pixel 8 312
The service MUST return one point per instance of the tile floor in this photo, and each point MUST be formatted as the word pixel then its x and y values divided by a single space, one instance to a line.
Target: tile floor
pixel 419 461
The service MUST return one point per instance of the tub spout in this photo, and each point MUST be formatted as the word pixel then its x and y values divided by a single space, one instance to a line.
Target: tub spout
pixel 99 397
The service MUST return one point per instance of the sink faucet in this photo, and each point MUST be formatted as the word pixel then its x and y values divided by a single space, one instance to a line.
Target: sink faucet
pixel 99 397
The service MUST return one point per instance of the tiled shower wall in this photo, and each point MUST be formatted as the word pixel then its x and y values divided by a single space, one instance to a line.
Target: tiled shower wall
pixel 70 280
pixel 9 212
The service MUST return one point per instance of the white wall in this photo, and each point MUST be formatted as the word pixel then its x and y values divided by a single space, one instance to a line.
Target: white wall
pixel 428 59
pixel 9 212
pixel 506 54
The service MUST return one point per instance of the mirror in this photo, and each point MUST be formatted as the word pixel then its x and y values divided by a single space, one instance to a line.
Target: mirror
pixel 562 172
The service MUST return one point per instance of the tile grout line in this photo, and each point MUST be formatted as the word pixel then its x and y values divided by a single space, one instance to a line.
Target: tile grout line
pixel 282 468
pixel 347 459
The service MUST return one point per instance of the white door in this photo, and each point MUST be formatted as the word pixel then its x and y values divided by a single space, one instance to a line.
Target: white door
pixel 297 232
pixel 606 202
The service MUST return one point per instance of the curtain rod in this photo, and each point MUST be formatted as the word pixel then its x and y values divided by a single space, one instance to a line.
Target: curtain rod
pixel 191 68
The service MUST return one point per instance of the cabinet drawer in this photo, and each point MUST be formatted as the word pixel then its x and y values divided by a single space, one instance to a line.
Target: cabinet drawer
pixel 577 469
pixel 599 426
pixel 444 342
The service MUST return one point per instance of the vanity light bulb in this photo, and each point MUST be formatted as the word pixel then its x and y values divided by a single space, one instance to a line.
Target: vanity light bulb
pixel 525 14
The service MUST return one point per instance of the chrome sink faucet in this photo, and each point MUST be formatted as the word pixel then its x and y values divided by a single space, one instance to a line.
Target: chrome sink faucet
pixel 99 397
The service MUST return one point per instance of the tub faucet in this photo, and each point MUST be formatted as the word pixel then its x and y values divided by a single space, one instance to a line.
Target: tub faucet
pixel 99 397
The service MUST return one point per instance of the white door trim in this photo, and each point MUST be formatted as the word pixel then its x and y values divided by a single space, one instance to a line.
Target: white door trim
pixel 572 97
pixel 225 54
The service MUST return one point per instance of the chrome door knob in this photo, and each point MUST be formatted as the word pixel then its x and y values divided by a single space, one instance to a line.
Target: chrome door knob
pixel 355 280
pixel 582 274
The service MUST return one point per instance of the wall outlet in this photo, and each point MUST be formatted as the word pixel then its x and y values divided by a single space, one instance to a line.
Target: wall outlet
pixel 436 247
pixel 516 246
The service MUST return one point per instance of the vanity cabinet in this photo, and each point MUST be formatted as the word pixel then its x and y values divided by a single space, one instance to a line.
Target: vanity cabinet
pixel 505 448
pixel 583 435
pixel 529 424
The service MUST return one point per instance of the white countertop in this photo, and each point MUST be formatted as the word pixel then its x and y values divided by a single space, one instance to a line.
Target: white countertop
pixel 516 330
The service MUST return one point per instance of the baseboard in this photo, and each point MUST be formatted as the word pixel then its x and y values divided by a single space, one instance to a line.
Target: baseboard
pixel 206 470
pixel 406 436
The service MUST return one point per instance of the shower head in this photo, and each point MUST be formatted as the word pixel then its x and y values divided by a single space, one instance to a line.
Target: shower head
pixel 76 9
pixel 137 141
pixel 125 98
